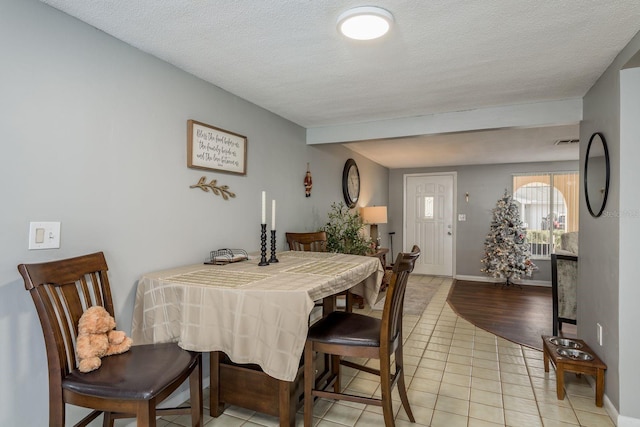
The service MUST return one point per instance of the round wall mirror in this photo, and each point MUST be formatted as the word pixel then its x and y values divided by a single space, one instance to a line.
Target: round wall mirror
pixel 596 174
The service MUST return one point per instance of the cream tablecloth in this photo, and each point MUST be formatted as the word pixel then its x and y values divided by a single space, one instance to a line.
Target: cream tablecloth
pixel 254 314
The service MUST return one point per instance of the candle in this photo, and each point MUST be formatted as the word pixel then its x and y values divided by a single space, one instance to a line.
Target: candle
pixel 264 212
pixel 273 214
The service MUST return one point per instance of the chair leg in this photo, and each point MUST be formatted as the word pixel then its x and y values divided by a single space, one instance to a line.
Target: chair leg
pixel 309 379
pixel 385 392
pixel 56 408
pixel 402 389
pixel 146 414
pixel 335 371
pixel 107 419
pixel 195 389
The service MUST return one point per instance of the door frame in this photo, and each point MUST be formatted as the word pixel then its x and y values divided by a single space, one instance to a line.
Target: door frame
pixel 454 225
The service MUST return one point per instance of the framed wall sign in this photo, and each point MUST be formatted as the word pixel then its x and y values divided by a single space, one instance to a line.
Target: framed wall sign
pixel 215 149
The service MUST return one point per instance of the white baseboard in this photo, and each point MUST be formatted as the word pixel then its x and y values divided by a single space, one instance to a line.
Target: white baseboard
pixel 619 420
pixel 486 279
pixel 627 421
pixel 475 278
pixel 608 406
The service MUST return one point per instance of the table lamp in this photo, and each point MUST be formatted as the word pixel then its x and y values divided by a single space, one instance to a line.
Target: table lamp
pixel 374 215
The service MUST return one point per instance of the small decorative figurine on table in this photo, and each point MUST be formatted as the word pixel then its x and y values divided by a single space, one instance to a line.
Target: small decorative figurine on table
pixel 308 183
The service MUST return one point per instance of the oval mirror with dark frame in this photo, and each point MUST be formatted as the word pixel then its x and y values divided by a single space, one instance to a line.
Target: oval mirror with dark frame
pixel 596 174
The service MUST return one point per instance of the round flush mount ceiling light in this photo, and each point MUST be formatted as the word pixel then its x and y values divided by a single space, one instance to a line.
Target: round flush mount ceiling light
pixel 365 23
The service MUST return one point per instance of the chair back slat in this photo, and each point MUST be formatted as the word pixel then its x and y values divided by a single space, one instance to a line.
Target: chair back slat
pixel 64 303
pixel 84 291
pixel 97 292
pixel 310 242
pixel 62 291
pixel 394 302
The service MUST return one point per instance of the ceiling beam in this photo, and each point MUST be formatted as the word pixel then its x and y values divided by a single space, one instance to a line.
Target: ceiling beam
pixel 551 113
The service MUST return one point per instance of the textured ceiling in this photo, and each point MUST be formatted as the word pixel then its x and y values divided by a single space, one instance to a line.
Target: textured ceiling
pixel 441 55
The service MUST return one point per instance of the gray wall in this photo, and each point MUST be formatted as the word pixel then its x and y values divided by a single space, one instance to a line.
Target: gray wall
pixel 93 134
pixel 607 269
pixel 485 185
pixel 629 292
pixel 598 269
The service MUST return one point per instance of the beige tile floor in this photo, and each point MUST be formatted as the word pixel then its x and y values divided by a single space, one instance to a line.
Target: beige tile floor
pixel 457 376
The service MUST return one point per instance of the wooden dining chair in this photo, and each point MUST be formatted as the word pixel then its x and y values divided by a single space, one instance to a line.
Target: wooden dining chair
pixel 343 334
pixel 127 385
pixel 313 241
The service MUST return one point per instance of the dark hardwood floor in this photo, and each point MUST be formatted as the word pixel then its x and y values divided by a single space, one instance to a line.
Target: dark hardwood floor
pixel 521 315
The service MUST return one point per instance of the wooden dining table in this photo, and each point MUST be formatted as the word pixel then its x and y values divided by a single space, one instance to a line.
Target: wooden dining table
pixel 251 314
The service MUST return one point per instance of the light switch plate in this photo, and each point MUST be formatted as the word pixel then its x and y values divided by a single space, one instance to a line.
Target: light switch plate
pixel 462 217
pixel 39 235
pixel 44 235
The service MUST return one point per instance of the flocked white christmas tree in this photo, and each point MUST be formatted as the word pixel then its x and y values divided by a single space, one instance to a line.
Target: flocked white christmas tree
pixel 507 253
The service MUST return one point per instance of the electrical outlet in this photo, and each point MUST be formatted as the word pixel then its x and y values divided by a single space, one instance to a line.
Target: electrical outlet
pixel 599 333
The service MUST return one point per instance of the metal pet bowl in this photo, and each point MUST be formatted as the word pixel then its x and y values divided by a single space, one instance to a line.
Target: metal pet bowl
pixel 565 342
pixel 574 354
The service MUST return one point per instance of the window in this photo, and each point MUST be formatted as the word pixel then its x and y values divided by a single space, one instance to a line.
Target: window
pixel 428 207
pixel 548 205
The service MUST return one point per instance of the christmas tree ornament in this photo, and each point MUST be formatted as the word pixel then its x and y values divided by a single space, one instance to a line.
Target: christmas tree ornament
pixel 308 183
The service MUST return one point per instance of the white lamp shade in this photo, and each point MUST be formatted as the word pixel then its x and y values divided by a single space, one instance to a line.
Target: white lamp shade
pixel 374 214
pixel 365 23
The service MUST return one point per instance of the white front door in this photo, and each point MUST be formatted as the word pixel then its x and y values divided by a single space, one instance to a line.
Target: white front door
pixel 429 221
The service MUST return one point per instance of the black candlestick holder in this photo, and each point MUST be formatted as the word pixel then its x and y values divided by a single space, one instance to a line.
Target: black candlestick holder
pixel 263 245
pixel 273 247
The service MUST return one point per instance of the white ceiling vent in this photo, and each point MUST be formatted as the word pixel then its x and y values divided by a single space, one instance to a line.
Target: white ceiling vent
pixel 566 141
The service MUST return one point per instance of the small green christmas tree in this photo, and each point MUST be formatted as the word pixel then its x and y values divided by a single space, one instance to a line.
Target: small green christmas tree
pixel 344 231
pixel 507 253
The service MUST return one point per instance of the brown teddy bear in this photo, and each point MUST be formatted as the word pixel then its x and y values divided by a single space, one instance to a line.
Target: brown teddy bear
pixel 97 338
